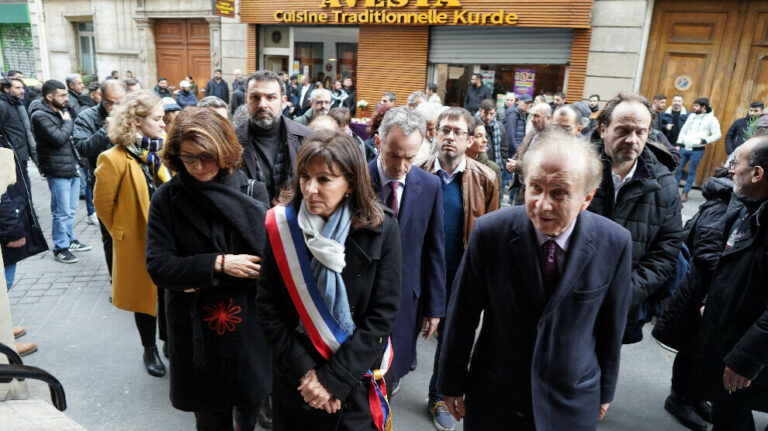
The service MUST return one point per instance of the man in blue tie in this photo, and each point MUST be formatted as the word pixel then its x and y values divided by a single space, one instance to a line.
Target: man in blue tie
pixel 415 197
pixel 552 284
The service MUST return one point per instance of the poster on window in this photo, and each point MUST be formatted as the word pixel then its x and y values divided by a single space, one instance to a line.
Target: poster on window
pixel 488 77
pixel 524 80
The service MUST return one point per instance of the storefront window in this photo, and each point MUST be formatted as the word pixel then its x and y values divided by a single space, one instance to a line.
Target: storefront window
pixel 346 54
pixel 309 54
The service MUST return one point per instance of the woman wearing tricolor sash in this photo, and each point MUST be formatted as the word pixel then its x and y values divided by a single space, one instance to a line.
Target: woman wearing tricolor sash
pixel 329 291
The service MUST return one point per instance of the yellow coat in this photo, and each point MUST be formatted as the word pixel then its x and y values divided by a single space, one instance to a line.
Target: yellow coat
pixel 121 199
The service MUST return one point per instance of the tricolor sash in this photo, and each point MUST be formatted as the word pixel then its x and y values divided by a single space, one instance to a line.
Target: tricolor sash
pixel 324 331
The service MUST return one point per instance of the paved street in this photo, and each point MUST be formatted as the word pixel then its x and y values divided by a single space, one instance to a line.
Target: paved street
pixel 94 349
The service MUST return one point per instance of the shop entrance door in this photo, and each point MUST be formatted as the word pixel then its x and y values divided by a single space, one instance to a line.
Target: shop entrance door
pixel 183 48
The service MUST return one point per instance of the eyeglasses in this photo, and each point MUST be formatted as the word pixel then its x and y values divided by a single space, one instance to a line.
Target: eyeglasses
pixel 322 102
pixel 445 131
pixel 733 163
pixel 108 103
pixel 204 158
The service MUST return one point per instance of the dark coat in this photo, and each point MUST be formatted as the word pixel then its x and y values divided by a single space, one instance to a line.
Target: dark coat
pixel 162 92
pixel 90 133
pixel 185 100
pixel 667 118
pixel 86 101
pixel 372 280
pixel 238 99
pixel 294 134
pixel 733 328
pixel 649 206
pixel 551 361
pixel 737 134
pixel 678 326
pixel 219 89
pixel 351 100
pixel 306 102
pixel 17 217
pixel 15 124
pixel 57 156
pixel 73 102
pixel 214 366
pixel 515 128
pixel 420 217
pixel 474 96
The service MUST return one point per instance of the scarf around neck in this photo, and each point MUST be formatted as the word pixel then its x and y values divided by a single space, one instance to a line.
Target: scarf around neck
pixel 325 240
pixel 496 139
pixel 146 151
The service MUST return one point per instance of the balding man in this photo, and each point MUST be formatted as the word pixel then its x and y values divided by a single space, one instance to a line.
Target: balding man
pixel 568 118
pixel 321 105
pixel 639 193
pixel 551 283
pixel 733 336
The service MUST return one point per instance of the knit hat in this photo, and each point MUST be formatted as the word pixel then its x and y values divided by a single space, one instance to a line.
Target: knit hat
pixel 170 105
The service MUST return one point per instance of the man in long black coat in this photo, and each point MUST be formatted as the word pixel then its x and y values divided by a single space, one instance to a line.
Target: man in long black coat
pixel 552 283
pixel 733 339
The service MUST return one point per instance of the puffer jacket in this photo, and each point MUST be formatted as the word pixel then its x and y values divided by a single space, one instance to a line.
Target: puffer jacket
pixel 56 152
pixel 697 127
pixel 73 102
pixel 90 133
pixel 515 127
pixel 649 207
pixel 14 122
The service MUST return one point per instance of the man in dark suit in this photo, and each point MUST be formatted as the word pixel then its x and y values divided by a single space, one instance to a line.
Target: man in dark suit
pixel 416 198
pixel 552 283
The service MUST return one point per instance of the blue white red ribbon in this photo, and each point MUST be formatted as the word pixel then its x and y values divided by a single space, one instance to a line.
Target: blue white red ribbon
pixel 324 331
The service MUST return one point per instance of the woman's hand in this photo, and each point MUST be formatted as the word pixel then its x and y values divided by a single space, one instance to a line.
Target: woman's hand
pixel 314 393
pixel 239 265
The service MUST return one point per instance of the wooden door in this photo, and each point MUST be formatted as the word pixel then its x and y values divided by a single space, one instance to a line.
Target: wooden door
pixel 183 48
pixel 754 78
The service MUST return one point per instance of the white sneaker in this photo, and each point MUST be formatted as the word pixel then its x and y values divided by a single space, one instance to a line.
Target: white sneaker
pixel 92 219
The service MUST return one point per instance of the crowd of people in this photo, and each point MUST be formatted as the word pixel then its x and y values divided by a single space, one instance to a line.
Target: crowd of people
pixel 290 263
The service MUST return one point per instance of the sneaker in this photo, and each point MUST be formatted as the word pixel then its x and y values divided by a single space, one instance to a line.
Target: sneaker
pixel 78 246
pixel 682 410
pixel 64 256
pixel 395 388
pixel 24 349
pixel 18 331
pixel 92 219
pixel 442 420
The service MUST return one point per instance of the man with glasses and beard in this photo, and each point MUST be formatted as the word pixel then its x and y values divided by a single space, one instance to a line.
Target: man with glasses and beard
pixel 321 105
pixel 270 140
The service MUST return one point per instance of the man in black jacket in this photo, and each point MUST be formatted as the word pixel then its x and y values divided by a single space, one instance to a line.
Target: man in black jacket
pixel 733 340
pixel 90 136
pixel 14 123
pixel 270 140
pixel 639 193
pixel 75 89
pixel 476 93
pixel 219 87
pixel 58 161
pixel 739 130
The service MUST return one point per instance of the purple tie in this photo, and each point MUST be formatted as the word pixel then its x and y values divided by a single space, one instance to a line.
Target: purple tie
pixel 550 273
pixel 392 198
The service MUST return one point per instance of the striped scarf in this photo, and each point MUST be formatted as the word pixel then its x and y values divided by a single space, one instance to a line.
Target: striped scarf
pixel 146 150
pixel 495 133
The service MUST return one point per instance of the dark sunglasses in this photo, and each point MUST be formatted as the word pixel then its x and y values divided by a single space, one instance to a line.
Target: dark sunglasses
pixel 204 158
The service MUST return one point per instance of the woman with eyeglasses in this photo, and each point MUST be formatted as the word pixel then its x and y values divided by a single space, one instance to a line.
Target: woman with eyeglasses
pixel 126 176
pixel 204 241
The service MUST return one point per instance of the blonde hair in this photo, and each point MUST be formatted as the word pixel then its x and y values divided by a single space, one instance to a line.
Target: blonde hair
pixel 122 120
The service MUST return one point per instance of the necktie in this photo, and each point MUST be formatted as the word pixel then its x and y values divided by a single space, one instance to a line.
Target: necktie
pixel 392 198
pixel 550 272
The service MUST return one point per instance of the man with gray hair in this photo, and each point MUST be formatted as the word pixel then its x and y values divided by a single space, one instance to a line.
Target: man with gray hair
pixel 321 105
pixel 270 140
pixel 429 111
pixel 215 104
pixel 416 98
pixel 416 199
pixel 550 282
pixel 75 88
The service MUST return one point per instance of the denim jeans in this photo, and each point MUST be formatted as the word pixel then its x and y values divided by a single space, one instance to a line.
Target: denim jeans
pixel 692 158
pixel 64 201
pixel 83 172
pixel 10 275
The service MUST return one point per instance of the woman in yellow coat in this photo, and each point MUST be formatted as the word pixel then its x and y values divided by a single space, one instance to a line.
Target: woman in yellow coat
pixel 126 176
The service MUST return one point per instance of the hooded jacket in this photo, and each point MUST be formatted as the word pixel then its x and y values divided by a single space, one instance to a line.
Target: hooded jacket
pixel 699 130
pixel 57 156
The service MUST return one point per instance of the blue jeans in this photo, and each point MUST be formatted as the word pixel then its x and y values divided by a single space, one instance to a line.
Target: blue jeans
pixel 692 158
pixel 64 201
pixel 10 275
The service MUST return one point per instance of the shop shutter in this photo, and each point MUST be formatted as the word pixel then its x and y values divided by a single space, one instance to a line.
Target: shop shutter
pixel 500 45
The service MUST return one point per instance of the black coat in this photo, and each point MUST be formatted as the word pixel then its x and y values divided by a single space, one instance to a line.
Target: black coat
pixel 351 100
pixel 372 280
pixel 474 96
pixel 17 217
pixel 216 361
pixel 649 206
pixel 219 89
pixel 15 124
pixel 549 361
pixel 73 102
pixel 90 133
pixel 57 156
pixel 678 326
pixel 733 328
pixel 737 134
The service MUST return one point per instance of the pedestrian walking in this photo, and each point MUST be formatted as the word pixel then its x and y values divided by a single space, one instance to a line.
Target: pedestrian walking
pixel 205 236
pixel 59 160
pixel 700 129
pixel 330 238
pixel 126 177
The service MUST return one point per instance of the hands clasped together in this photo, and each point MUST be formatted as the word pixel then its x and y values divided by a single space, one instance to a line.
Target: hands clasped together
pixel 316 395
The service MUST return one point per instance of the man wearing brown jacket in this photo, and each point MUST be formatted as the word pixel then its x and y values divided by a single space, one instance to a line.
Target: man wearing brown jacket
pixel 469 191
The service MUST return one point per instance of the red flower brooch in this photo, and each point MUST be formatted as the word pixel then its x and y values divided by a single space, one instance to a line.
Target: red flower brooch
pixel 222 318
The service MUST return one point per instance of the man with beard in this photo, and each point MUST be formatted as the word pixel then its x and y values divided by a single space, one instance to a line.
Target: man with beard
pixel 270 140
pixel 321 105
pixel 739 130
pixel 14 123
pixel 700 129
